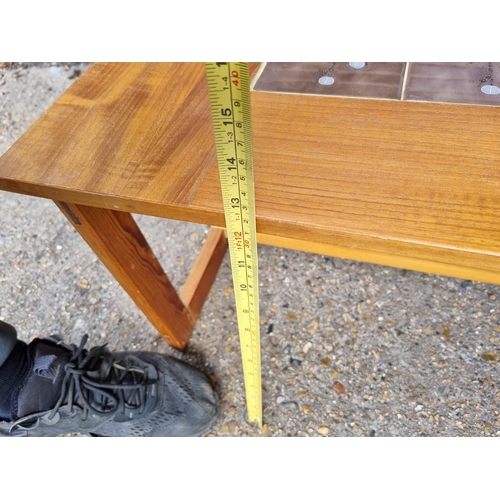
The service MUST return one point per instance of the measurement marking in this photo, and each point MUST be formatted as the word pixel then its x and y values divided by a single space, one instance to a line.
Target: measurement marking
pixel 231 115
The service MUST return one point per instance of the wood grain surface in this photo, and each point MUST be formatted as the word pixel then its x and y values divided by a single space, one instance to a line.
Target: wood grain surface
pixel 409 179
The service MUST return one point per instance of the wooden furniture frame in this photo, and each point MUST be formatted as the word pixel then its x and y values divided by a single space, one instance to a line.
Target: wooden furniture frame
pixel 407 184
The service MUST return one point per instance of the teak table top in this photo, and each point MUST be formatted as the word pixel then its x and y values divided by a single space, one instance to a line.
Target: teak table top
pixel 414 180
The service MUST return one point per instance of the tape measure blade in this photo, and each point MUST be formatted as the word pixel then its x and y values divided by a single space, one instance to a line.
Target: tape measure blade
pixel 229 91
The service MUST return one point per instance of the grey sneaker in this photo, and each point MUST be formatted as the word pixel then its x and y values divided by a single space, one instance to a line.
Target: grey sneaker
pixel 70 389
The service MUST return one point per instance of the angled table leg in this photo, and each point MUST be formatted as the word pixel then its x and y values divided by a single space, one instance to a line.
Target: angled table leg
pixel 118 242
pixel 202 275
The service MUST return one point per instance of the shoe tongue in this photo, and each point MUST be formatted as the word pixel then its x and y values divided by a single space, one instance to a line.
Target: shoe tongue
pixel 42 386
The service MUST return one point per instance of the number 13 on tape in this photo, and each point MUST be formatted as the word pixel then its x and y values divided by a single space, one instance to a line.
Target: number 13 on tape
pixel 229 90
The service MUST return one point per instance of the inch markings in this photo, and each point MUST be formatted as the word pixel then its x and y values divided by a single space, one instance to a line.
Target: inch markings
pixel 229 91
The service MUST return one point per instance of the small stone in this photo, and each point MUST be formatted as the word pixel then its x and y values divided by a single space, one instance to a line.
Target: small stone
pixel 306 347
pixel 339 387
pixel 233 427
pixel 372 433
pixel 313 326
pixel 489 356
pixel 418 408
pixel 232 410
pixel 446 332
pixel 306 408
pixel 83 283
pixel 324 431
pixel 280 399
pixel 225 429
pixel 291 405
pixel 466 358
pixel 291 316
pixel 326 362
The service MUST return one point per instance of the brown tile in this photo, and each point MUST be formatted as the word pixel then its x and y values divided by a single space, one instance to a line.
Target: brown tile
pixel 452 82
pixel 375 80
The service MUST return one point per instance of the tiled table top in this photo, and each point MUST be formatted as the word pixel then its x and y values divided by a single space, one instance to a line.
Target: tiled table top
pixel 464 82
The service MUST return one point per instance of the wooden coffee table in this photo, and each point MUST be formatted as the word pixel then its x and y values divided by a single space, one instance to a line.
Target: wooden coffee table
pixel 396 165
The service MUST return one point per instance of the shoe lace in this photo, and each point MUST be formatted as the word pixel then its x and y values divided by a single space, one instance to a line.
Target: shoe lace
pixel 101 384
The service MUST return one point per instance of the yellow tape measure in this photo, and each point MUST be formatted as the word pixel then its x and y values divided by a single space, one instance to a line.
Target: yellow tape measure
pixel 229 90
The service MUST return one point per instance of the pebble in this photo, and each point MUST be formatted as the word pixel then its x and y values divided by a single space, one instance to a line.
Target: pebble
pixel 306 347
pixel 323 431
pixel 339 387
pixel 233 427
pixel 83 283
pixel 291 405
pixel 466 358
pixel 313 326
pixel 489 356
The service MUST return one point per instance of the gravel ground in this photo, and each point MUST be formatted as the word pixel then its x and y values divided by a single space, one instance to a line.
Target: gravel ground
pixel 348 348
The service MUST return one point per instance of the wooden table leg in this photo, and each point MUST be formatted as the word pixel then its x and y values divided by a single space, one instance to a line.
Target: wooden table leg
pixel 118 242
pixel 202 275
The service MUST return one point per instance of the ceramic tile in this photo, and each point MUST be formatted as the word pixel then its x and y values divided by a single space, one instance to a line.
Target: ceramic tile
pixel 454 82
pixel 373 80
